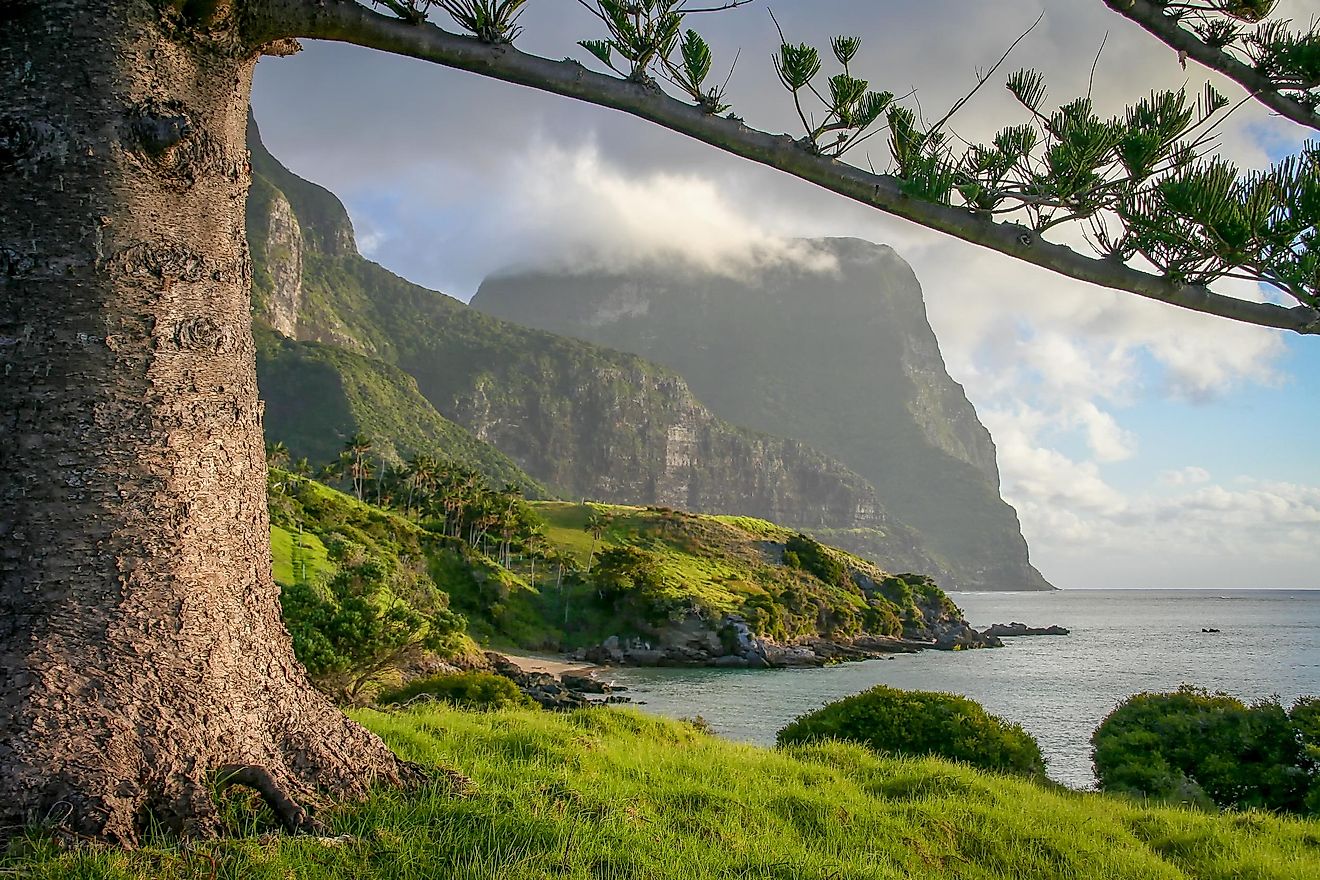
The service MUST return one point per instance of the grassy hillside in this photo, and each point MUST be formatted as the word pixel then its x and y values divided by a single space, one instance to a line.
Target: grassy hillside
pixel 318 395
pixel 643 573
pixel 614 795
pixel 704 567
pixel 319 533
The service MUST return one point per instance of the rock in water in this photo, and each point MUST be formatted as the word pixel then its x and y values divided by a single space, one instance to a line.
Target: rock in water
pixel 1013 630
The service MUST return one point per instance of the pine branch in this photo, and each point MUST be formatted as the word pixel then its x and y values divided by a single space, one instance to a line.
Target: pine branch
pixel 1187 44
pixel 345 21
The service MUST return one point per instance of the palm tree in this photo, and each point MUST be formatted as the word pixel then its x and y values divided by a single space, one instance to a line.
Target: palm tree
pixel 421 475
pixel 330 473
pixel 562 560
pixel 596 523
pixel 360 470
pixel 390 481
pixel 487 515
pixel 509 497
pixel 277 454
pixel 356 449
pixel 464 496
pixel 536 546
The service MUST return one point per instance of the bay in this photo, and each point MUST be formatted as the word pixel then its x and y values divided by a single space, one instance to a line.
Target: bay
pixel 1059 688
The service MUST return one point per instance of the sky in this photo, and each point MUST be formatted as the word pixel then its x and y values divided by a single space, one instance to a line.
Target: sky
pixel 1142 445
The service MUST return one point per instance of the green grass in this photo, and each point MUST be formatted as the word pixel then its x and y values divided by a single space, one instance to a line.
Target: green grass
pixel 615 794
pixel 299 558
pixel 714 561
pixel 701 557
pixel 727 564
pixel 564 524
pixel 764 528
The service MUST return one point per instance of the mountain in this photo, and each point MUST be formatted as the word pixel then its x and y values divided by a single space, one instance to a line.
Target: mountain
pixel 580 419
pixel 318 394
pixel 835 352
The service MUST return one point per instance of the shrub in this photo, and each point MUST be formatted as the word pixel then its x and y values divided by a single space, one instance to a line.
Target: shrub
pixel 356 628
pixel 899 722
pixel 1195 747
pixel 814 558
pixel 622 571
pixel 1305 715
pixel 466 690
pixel 629 583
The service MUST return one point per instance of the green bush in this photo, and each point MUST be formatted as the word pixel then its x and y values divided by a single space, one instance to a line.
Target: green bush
pixel 630 585
pixel 888 720
pixel 1305 715
pixel 1195 747
pixel 357 627
pixel 467 690
pixel 813 557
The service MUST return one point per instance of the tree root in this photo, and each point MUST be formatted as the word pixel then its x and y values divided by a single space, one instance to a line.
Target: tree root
pixel 292 815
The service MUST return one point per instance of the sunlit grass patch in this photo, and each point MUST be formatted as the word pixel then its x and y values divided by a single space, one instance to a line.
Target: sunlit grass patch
pixel 617 794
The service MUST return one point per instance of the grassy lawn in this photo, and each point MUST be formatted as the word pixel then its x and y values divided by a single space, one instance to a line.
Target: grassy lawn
pixel 615 794
pixel 564 526
pixel 298 558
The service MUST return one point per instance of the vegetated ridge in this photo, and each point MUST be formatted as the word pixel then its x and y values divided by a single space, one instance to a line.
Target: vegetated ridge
pixel 371 593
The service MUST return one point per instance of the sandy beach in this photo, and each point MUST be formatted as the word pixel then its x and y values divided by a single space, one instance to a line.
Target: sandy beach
pixel 551 664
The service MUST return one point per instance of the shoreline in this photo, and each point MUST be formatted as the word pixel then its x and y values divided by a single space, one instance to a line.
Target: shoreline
pixel 548 664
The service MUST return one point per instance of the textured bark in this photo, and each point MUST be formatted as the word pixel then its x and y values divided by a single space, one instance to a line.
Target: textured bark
pixel 141 645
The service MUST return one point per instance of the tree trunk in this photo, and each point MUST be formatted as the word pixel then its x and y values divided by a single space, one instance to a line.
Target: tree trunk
pixel 141 644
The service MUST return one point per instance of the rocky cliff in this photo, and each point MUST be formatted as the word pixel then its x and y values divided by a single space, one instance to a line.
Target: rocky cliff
pixel 835 352
pixel 583 420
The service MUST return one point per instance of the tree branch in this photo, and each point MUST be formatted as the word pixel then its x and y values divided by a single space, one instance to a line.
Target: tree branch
pixel 346 21
pixel 1167 30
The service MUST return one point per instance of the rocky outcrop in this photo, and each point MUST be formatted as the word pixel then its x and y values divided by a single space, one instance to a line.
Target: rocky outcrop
pixel 279 290
pixel 729 643
pixel 1016 630
pixel 322 221
pixel 835 352
pixel 561 693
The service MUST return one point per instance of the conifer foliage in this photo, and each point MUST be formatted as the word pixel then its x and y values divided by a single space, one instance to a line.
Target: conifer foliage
pixel 1162 215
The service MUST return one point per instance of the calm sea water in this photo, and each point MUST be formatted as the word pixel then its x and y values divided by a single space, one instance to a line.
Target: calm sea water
pixel 1059 688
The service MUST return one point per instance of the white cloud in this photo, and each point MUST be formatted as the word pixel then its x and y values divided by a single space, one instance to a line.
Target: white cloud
pixel 620 218
pixel 1193 533
pixel 1188 476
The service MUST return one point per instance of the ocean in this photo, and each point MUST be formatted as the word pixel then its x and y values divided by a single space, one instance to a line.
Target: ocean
pixel 1059 688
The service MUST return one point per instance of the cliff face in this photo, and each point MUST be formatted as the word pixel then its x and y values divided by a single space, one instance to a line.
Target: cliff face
pixel 276 237
pixel 843 360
